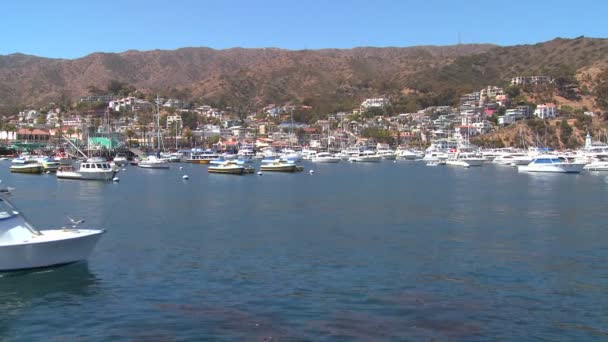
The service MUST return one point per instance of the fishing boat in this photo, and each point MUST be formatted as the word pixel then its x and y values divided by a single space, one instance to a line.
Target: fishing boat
pixel 91 169
pixel 227 167
pixel 551 163
pixel 24 247
pixel 28 166
pixel 278 165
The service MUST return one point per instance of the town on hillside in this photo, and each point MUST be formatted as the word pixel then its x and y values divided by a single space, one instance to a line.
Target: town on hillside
pixel 128 119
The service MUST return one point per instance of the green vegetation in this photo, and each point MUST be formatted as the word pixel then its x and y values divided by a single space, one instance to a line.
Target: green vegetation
pixel 379 134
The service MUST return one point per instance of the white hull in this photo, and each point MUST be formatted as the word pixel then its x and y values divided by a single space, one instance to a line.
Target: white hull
pixel 101 175
pixel 597 166
pixel 365 159
pixel 326 160
pixel 553 168
pixel 120 161
pixel 53 247
pixel 465 162
pixel 155 165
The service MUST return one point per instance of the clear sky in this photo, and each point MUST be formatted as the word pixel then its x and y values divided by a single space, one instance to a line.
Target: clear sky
pixel 74 28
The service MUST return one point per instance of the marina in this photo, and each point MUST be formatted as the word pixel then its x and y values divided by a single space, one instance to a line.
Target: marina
pixel 442 247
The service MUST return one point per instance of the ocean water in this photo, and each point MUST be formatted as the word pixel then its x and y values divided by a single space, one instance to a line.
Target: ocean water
pixel 389 251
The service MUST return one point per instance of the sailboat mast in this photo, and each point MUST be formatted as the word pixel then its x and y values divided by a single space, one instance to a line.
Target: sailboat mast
pixel 157 122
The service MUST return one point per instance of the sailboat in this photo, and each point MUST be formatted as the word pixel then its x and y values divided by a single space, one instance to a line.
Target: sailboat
pixel 155 161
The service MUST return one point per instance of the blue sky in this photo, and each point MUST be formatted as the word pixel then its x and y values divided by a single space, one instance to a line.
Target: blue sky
pixel 71 28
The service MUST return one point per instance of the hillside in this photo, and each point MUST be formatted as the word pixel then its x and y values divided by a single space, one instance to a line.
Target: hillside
pixel 568 132
pixel 329 79
pixel 255 76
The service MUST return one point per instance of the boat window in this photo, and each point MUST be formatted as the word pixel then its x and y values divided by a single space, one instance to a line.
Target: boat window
pixel 99 166
pixel 86 166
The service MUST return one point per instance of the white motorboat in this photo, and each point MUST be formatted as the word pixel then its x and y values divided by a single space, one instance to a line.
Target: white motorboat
pixel 366 157
pixel 153 162
pixel 436 163
pixel 597 165
pixel 91 169
pixel 120 159
pixel 231 167
pixel 325 157
pixel 24 247
pixel 464 160
pixel 513 159
pixel 551 163
pixel 278 165
pixel 408 154
pixel 387 154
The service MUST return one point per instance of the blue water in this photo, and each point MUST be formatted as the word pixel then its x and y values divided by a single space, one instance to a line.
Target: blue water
pixel 389 251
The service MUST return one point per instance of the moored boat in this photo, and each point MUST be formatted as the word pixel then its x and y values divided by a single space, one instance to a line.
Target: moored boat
pixel 227 167
pixel 91 169
pixel 29 166
pixel 279 166
pixel 551 163
pixel 24 247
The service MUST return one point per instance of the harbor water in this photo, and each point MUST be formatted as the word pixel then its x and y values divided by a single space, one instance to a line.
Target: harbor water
pixel 379 251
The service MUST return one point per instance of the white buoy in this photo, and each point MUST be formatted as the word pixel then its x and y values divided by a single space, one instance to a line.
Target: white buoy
pixel 185 177
pixel 181 167
pixel 259 173
pixel 116 179
pixel 124 169
pixel 48 172
pixel 394 161
pixel 311 171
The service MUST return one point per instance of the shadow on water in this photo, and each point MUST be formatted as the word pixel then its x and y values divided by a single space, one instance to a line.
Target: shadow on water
pixel 22 290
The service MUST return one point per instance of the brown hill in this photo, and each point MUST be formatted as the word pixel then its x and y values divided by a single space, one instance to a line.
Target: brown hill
pixel 254 75
pixel 329 79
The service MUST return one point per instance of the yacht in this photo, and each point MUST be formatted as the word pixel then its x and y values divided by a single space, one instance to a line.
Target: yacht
pixel 245 153
pixel 512 159
pixel 465 160
pixel 288 153
pixel 408 154
pixel 154 162
pixel 551 163
pixel 120 159
pixel 24 247
pixel 387 154
pixel 91 169
pixel 325 157
pixel 597 165
pixel 366 157
pixel 174 157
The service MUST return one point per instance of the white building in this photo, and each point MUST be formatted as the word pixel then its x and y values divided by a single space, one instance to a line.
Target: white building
pixel 129 103
pixel 377 102
pixel 531 80
pixel 172 119
pixel 546 111
pixel 491 92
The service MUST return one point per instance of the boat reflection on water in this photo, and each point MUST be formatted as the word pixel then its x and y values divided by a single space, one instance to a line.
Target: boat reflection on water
pixel 22 289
